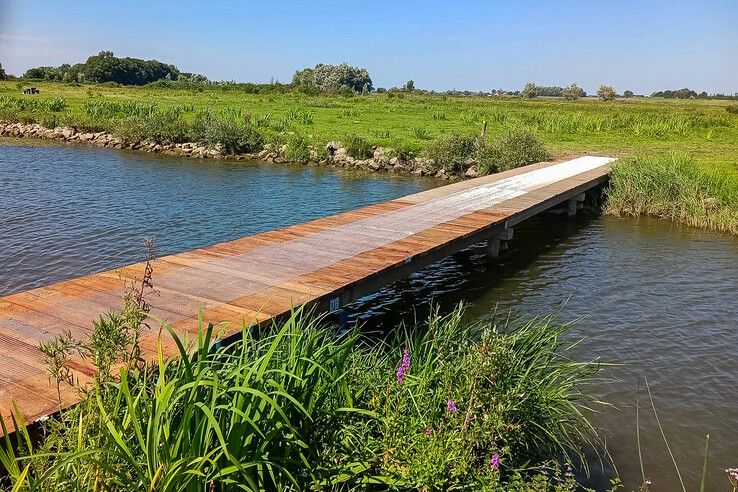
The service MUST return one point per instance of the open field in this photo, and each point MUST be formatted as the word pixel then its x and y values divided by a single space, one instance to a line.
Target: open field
pixel 702 132
pixel 702 129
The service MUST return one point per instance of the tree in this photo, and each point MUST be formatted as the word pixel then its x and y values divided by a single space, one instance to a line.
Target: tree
pixel 572 92
pixel 106 67
pixel 409 85
pixel 606 93
pixel 330 78
pixel 3 75
pixel 628 94
pixel 529 91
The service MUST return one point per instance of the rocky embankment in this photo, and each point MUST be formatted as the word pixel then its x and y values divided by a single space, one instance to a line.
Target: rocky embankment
pixel 382 160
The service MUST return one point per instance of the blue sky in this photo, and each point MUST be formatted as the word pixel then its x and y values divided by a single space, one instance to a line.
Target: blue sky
pixel 477 45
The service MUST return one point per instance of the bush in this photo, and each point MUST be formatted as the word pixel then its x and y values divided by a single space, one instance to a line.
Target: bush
pixel 234 137
pixel 449 152
pixel 357 146
pixel 298 150
pixel 514 148
pixel 606 93
pixel 732 109
pixel 162 128
pixel 572 92
pixel 58 105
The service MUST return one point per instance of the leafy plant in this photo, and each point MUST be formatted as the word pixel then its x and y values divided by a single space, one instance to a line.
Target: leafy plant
pixel 513 149
pixel 298 149
pixel 450 151
pixel 357 146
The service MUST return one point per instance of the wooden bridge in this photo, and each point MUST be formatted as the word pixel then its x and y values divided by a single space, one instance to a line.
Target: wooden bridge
pixel 330 261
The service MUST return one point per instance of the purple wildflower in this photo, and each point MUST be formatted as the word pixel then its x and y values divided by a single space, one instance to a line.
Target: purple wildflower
pixel 494 462
pixel 429 432
pixel 404 366
pixel 451 406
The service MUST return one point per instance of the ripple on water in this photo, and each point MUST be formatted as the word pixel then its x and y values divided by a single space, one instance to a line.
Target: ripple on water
pixel 658 300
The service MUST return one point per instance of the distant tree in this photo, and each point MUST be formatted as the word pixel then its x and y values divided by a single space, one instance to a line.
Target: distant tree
pixel 106 67
pixel 572 92
pixel 409 85
pixel 677 94
pixel 3 75
pixel 330 78
pixel 381 90
pixel 628 94
pixel 529 91
pixel 606 93
pixel 549 91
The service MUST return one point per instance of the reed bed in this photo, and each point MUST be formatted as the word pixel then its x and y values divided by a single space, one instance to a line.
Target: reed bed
pixel 675 188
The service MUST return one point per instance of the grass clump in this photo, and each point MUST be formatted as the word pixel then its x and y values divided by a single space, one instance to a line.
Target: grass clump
pixel 159 127
pixel 513 149
pixel 357 146
pixel 449 152
pixel 298 149
pixel 455 405
pixel 675 188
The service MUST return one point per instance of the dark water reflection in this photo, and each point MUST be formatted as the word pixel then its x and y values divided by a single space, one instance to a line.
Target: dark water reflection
pixel 659 300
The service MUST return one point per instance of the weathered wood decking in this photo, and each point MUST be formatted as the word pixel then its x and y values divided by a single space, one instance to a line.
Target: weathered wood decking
pixel 330 261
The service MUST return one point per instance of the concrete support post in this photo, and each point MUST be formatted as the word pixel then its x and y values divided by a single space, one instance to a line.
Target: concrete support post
pixel 574 204
pixel 493 247
pixel 495 244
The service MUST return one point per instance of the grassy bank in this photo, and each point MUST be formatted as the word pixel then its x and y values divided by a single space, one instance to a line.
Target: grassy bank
pixel 440 128
pixel 456 405
pixel 624 127
pixel 675 188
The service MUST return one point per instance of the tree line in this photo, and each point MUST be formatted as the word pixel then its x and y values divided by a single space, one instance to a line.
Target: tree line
pixel 106 67
pixel 342 79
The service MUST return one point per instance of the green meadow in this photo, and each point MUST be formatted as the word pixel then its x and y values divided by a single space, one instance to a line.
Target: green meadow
pixel 700 134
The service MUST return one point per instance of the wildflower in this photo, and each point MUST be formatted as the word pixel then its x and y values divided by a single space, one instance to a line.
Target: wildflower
pixel 494 462
pixel 429 432
pixel 732 476
pixel 404 366
pixel 451 406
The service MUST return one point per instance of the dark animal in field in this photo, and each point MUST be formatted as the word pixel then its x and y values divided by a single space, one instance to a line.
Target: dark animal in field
pixel 31 90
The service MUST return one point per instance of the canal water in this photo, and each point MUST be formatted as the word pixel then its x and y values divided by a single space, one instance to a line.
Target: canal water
pixel 659 301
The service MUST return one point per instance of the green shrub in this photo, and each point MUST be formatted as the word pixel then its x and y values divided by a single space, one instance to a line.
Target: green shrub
pixel 298 149
pixel 404 150
pixel 513 149
pixel 606 93
pixel 160 128
pixel 234 137
pixel 57 105
pixel 357 146
pixel 450 151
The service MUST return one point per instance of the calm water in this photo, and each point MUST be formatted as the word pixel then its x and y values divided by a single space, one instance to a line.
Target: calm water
pixel 659 300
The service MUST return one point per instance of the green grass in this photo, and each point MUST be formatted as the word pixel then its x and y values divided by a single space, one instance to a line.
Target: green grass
pixel 675 188
pixel 702 129
pixel 302 408
pixel 651 130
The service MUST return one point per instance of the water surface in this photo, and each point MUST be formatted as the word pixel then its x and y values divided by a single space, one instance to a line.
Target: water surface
pixel 657 299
